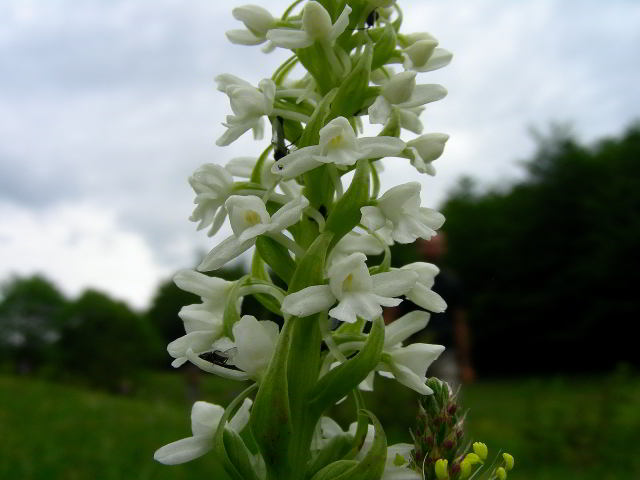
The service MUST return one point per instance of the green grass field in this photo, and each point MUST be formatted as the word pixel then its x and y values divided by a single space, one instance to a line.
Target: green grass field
pixel 556 429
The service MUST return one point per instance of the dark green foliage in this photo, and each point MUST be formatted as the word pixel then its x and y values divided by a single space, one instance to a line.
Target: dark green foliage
pixel 549 262
pixel 29 321
pixel 105 342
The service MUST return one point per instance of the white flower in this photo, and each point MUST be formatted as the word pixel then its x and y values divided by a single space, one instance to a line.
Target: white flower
pixel 205 419
pixel 316 27
pixel 401 96
pixel 399 208
pixel 338 145
pixel 203 321
pixel 425 149
pixel 249 218
pixel 421 294
pixel 422 53
pixel 212 185
pixel 258 22
pixel 408 365
pixel 255 342
pixel 326 429
pixel 249 105
pixel 358 293
pixel 402 328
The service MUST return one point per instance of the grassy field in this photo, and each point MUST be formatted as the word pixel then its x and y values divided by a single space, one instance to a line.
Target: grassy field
pixel 557 429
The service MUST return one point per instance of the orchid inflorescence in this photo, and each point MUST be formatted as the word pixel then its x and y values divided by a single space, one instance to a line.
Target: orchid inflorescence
pixel 313 241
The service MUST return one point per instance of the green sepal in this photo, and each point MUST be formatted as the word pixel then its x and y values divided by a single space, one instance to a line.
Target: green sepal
pixel 318 186
pixel 341 380
pixel 353 89
pixel 218 439
pixel 370 467
pixel 256 174
pixel 384 47
pixel 335 450
pixel 259 275
pixel 314 60
pixel 346 213
pixel 335 470
pixel 276 256
pixel 310 271
pixel 238 455
pixel 231 314
pixel 270 418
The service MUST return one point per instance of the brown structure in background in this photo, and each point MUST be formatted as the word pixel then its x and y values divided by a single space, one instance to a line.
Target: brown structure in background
pixel 449 328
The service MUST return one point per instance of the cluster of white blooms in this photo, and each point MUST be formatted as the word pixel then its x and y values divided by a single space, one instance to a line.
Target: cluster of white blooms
pixel 319 239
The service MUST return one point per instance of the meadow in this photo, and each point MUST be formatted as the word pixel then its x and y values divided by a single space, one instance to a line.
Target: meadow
pixel 559 428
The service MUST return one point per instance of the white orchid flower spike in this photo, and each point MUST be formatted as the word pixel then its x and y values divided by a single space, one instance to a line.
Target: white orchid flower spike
pixel 399 209
pixel 339 146
pixel 316 27
pixel 358 293
pixel 249 218
pixel 205 420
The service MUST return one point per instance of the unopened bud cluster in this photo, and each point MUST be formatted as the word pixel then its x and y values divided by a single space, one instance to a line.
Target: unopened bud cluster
pixel 441 448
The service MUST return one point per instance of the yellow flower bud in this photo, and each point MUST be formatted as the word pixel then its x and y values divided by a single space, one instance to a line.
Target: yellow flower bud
pixel 473 458
pixel 441 468
pixel 508 461
pixel 481 450
pixel 501 473
pixel 465 469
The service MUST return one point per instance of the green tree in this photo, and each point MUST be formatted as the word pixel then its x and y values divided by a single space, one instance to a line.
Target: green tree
pixel 548 260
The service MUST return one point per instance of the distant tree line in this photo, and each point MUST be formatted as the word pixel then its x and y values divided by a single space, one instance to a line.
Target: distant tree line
pixel 548 265
pixel 551 264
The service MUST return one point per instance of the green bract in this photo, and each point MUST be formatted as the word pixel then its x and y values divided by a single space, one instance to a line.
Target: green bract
pixel 313 235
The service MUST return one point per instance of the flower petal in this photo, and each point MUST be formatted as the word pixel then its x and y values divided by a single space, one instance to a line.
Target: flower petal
pixel 308 301
pixel 427 299
pixel 205 418
pixel 425 94
pixel 224 252
pixel 183 450
pixel 439 58
pixel 297 162
pixel 372 218
pixel 341 24
pixel 374 147
pixel 379 111
pixel 402 328
pixel 394 283
pixel 243 37
pixel 289 38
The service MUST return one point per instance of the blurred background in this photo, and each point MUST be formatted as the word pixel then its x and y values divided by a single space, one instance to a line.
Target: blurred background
pixel 107 107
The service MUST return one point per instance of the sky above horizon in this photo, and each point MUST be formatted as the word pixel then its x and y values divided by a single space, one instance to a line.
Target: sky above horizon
pixel 107 107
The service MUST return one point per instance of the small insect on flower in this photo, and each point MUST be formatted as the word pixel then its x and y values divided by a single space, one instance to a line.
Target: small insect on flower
pixel 278 139
pixel 219 357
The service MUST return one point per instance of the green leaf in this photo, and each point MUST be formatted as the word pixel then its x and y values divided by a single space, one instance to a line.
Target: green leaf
pixel 341 380
pixel 231 314
pixel 239 455
pixel 353 88
pixel 384 47
pixel 310 271
pixel 258 272
pixel 335 470
pixel 370 467
pixel 335 450
pixel 346 213
pixel 276 256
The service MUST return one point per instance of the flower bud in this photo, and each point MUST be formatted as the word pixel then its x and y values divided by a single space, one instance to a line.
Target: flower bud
pixel 399 87
pixel 508 461
pixel 441 469
pixel 465 469
pixel 255 18
pixel 316 20
pixel 473 458
pixel 420 51
pixel 501 473
pixel 481 450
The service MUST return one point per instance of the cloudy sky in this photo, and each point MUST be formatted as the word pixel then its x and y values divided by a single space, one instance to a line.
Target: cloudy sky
pixel 107 107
